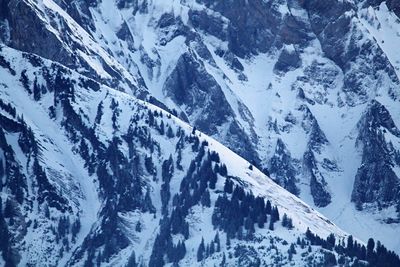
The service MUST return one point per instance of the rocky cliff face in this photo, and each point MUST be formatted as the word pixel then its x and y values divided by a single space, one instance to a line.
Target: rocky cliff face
pixel 48 31
pixel 292 85
pixel 205 105
pixel 376 180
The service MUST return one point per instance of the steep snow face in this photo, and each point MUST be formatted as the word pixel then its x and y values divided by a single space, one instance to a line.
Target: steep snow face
pixel 285 84
pixel 101 172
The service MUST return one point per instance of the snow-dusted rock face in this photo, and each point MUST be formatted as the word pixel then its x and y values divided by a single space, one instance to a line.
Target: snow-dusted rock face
pixel 376 180
pixel 306 91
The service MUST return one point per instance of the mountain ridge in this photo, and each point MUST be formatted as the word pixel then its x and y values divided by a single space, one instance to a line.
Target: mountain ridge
pixel 273 81
pixel 48 147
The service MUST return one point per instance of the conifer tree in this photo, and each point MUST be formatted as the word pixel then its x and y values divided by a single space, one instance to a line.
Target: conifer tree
pixel 223 170
pixel 228 187
pixel 350 245
pixel 290 224
pixel 268 207
pixel 132 260
pixel 284 220
pixel 205 199
pixel 275 214
pixel 271 225
pixel 212 248
pixel 162 128
pixel 291 251
pixel 261 219
pixel 223 261
pixel 331 241
pixel 370 250
pixel 201 251
pixel 151 118
pixel 36 90
pixel 170 132
pixel 228 241
pixel 217 242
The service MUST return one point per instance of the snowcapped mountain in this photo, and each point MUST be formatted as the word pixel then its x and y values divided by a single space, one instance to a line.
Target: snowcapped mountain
pixel 126 181
pixel 306 91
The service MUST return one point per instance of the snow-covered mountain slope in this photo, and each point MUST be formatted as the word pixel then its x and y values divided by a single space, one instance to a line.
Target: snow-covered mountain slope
pixel 305 90
pixel 92 176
